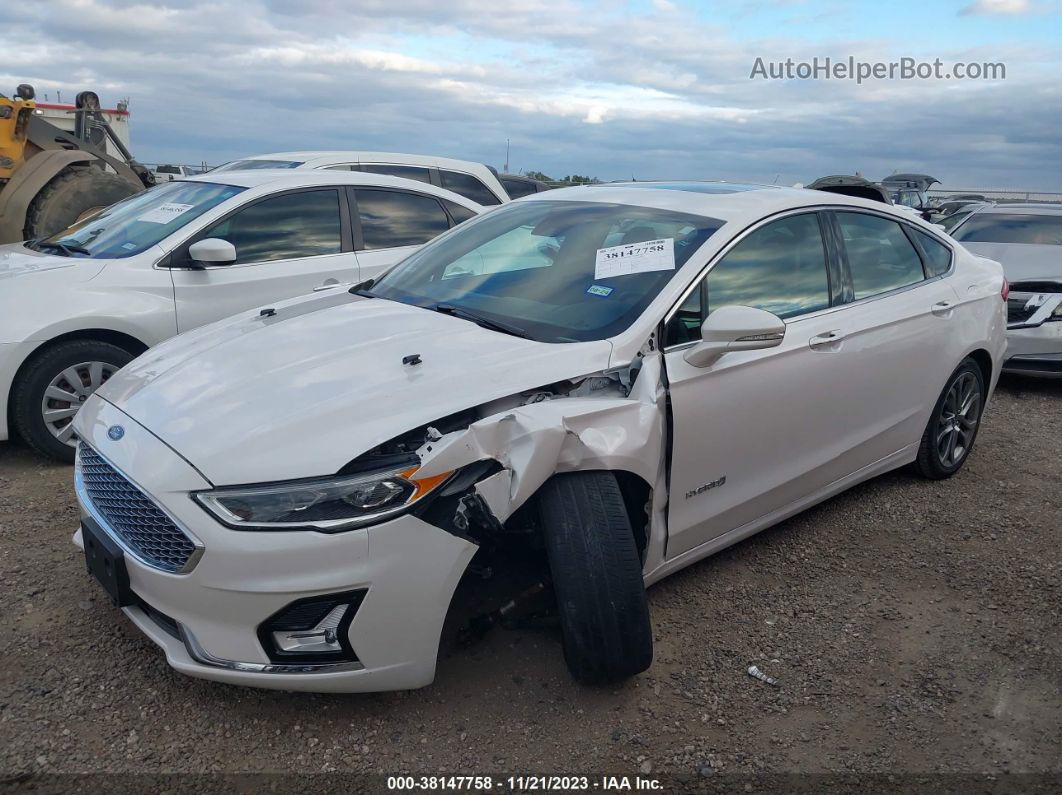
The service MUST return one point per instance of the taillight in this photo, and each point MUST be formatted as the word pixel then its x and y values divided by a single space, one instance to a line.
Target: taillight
pixel 1005 290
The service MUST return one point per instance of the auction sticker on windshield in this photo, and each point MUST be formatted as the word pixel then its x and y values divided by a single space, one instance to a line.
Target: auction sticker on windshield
pixel 650 255
pixel 164 213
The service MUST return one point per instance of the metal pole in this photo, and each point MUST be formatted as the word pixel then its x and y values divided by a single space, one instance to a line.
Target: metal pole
pixel 506 169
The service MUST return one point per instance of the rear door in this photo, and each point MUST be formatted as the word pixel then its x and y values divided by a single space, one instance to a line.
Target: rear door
pixel 900 324
pixel 287 244
pixel 390 224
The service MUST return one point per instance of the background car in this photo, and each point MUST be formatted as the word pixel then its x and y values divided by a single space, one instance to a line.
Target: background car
pixel 79 305
pixel 1027 240
pixel 474 181
pixel 628 378
pixel 518 186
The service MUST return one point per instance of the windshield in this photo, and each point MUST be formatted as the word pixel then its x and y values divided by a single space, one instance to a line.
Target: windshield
pixel 555 271
pixel 248 165
pixel 1015 228
pixel 136 224
pixel 910 198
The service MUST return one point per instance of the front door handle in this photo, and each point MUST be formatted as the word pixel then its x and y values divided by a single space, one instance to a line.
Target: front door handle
pixel 828 340
pixel 942 308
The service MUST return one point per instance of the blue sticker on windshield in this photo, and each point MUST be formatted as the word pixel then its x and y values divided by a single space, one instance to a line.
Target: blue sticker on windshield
pixel 597 289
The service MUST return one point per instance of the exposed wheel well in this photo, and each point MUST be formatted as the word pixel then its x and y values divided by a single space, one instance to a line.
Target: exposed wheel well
pixel 635 498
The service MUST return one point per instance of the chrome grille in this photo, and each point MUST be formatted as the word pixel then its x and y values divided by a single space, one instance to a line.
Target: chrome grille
pixel 1017 309
pixel 129 514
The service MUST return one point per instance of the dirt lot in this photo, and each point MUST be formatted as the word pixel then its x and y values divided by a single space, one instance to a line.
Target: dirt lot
pixel 914 626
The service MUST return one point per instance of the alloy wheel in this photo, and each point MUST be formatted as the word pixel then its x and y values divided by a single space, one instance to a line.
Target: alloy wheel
pixel 67 391
pixel 958 420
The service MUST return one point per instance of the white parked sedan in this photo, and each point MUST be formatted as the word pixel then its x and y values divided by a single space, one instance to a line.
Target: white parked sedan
pixel 76 307
pixel 636 375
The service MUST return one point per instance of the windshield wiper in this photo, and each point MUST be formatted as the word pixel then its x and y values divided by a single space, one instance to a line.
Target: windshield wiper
pixel 68 250
pixel 480 320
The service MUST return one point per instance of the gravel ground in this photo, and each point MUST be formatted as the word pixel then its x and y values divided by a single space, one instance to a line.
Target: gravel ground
pixel 914 627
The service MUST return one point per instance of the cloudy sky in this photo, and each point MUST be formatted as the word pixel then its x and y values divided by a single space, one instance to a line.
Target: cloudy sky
pixel 650 88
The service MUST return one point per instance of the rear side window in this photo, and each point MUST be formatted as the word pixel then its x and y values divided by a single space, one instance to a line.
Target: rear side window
pixel 880 257
pixel 395 218
pixel 458 212
pixel 289 226
pixel 468 186
pixel 1044 230
pixel 938 256
pixel 405 172
pixel 517 188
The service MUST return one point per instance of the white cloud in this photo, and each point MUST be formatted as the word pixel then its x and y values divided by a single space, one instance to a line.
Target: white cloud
pixel 998 7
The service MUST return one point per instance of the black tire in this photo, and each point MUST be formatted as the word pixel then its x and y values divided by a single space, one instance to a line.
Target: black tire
pixel 597 576
pixel 932 463
pixel 27 394
pixel 70 193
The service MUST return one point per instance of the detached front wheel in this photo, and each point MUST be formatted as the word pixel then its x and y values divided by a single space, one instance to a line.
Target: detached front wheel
pixel 597 576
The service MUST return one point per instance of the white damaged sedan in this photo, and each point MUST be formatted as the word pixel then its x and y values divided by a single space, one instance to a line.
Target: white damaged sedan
pixel 632 376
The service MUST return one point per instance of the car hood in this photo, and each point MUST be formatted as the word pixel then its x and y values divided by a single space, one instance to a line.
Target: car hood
pixel 17 260
pixel 1022 261
pixel 302 392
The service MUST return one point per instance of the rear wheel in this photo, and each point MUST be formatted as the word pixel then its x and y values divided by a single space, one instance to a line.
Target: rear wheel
pixel 597 576
pixel 69 194
pixel 53 386
pixel 952 428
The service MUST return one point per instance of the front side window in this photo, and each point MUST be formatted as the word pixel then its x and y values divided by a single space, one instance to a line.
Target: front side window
pixel 1044 230
pixel 468 186
pixel 938 256
pixel 135 224
pixel 880 257
pixel 392 218
pixel 289 226
pixel 536 266
pixel 780 267
pixel 405 172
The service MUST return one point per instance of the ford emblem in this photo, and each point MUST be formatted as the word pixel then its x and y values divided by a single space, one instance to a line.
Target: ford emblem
pixel 116 432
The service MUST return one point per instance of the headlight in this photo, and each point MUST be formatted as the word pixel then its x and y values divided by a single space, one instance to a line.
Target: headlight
pixel 328 506
pixel 1057 314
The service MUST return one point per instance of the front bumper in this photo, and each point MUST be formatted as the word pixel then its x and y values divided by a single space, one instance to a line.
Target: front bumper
pixel 1036 350
pixel 211 614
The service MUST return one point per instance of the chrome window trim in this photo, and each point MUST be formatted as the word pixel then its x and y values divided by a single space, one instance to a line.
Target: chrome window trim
pixel 818 313
pixel 90 508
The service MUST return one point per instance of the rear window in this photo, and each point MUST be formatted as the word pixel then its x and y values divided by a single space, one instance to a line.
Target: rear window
pixel 248 165
pixel 1011 228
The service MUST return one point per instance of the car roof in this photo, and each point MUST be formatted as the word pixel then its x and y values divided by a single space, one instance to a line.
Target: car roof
pixel 325 157
pixel 1023 208
pixel 726 201
pixel 285 178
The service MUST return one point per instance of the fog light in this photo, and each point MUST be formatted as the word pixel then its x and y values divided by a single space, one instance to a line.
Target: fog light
pixel 323 637
pixel 313 630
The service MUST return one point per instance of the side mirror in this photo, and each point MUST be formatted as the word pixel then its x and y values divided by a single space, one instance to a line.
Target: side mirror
pixel 735 328
pixel 212 251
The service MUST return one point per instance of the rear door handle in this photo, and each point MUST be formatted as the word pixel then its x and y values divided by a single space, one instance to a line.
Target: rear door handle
pixel 827 339
pixel 328 285
pixel 942 308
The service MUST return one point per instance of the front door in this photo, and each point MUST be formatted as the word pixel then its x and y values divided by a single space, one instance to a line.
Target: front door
pixel 757 429
pixel 287 245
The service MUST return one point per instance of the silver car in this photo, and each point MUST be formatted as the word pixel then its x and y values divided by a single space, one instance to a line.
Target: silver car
pixel 1027 240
